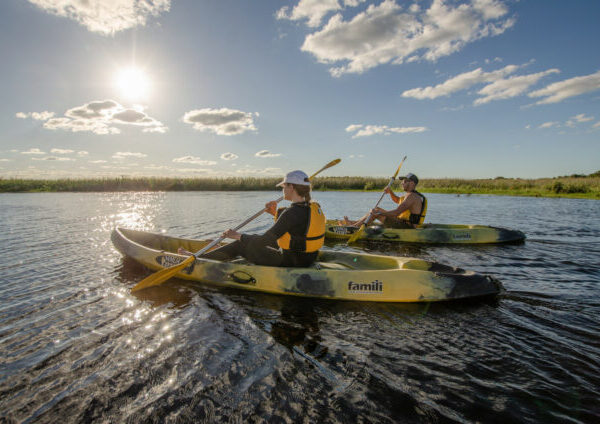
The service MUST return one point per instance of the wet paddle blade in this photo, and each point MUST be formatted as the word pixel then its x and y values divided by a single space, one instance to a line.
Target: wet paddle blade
pixel 162 275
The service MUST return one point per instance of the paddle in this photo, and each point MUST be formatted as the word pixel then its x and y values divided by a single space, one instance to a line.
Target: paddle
pixel 164 274
pixel 358 233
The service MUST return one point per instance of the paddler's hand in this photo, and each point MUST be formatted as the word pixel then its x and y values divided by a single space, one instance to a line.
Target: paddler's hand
pixel 232 234
pixel 271 207
pixel 388 190
pixel 377 211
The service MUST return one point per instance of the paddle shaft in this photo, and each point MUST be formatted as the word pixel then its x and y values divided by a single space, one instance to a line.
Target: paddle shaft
pixel 386 187
pixel 380 199
pixel 220 239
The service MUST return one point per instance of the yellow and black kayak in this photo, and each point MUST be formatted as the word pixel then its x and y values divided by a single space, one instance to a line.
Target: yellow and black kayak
pixel 336 275
pixel 428 233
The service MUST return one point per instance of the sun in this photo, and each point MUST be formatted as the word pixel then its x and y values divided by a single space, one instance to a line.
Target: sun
pixel 132 83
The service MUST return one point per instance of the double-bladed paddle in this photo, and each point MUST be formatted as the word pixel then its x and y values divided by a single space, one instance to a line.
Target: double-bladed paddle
pixel 164 274
pixel 358 233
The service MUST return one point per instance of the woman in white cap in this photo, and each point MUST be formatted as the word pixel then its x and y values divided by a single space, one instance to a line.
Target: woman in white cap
pixel 295 238
pixel 410 212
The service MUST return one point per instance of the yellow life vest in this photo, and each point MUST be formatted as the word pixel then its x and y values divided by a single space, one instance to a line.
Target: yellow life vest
pixel 315 232
pixel 413 218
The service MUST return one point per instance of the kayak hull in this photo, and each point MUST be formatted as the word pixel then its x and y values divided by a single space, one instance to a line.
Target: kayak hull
pixel 336 275
pixel 428 234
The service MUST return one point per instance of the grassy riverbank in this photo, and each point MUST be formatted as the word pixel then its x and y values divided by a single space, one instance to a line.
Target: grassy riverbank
pixel 575 186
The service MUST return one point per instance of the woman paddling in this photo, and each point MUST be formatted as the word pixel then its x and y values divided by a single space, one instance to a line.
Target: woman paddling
pixel 295 238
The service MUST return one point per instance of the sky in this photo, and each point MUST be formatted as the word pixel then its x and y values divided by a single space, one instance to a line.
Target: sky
pixel 222 88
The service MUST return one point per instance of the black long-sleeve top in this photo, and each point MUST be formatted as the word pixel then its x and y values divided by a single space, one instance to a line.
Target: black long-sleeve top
pixel 293 220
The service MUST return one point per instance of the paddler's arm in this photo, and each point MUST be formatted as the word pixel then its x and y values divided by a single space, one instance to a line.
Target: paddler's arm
pixel 269 238
pixel 408 202
pixel 270 207
pixel 394 196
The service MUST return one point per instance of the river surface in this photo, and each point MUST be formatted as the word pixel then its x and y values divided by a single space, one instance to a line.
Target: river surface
pixel 77 346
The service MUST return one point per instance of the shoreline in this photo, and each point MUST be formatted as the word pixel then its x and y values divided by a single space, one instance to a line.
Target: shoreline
pixel 576 187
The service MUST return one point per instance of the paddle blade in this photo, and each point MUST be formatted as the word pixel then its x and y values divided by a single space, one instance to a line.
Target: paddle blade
pixel 332 163
pixel 162 275
pixel 329 165
pixel 357 234
pixel 399 166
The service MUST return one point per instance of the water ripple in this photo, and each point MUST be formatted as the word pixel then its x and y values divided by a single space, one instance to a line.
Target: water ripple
pixel 78 347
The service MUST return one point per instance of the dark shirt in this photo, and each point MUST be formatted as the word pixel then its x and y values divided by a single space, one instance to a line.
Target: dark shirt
pixel 293 220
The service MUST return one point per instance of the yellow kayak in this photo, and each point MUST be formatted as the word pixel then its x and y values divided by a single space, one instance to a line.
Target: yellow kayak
pixel 428 233
pixel 336 275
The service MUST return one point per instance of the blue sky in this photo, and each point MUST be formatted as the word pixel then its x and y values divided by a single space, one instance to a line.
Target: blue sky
pixel 207 88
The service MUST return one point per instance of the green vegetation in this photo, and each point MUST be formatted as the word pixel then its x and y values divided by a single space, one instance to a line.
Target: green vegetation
pixel 576 186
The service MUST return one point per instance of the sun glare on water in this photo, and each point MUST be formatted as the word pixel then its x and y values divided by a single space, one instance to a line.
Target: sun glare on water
pixel 132 83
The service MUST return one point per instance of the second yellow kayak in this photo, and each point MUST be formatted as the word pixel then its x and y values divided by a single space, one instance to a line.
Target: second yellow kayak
pixel 428 233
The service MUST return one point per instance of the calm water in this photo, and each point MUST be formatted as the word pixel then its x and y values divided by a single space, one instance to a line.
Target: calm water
pixel 76 346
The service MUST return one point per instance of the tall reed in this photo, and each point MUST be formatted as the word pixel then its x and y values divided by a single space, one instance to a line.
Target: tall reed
pixel 568 186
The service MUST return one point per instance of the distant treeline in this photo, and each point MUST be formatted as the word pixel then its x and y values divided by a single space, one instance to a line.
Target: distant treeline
pixel 583 186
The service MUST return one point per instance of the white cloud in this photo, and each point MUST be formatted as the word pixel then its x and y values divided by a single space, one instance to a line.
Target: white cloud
pixel 550 124
pixel 193 170
pixel 385 34
pixel 105 17
pixel 5 160
pixel 266 154
pixel 507 88
pixel 578 119
pixel 572 122
pixel 229 156
pixel 497 84
pixel 222 121
pixel 247 170
pixel 33 151
pixel 62 151
pixel 38 116
pixel 311 10
pixel 54 158
pixel 369 130
pixel 562 90
pixel 194 160
pixel 82 153
pixel 596 125
pixel 353 127
pixel 97 161
pixel 124 155
pixel 158 167
pixel 101 116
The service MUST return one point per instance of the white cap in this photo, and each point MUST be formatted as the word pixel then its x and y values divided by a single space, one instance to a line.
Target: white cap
pixel 295 177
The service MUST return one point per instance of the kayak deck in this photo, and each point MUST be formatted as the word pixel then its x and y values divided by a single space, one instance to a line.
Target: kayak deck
pixel 335 275
pixel 428 233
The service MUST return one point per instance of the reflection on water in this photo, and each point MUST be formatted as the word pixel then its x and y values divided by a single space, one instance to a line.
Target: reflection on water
pixel 76 345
